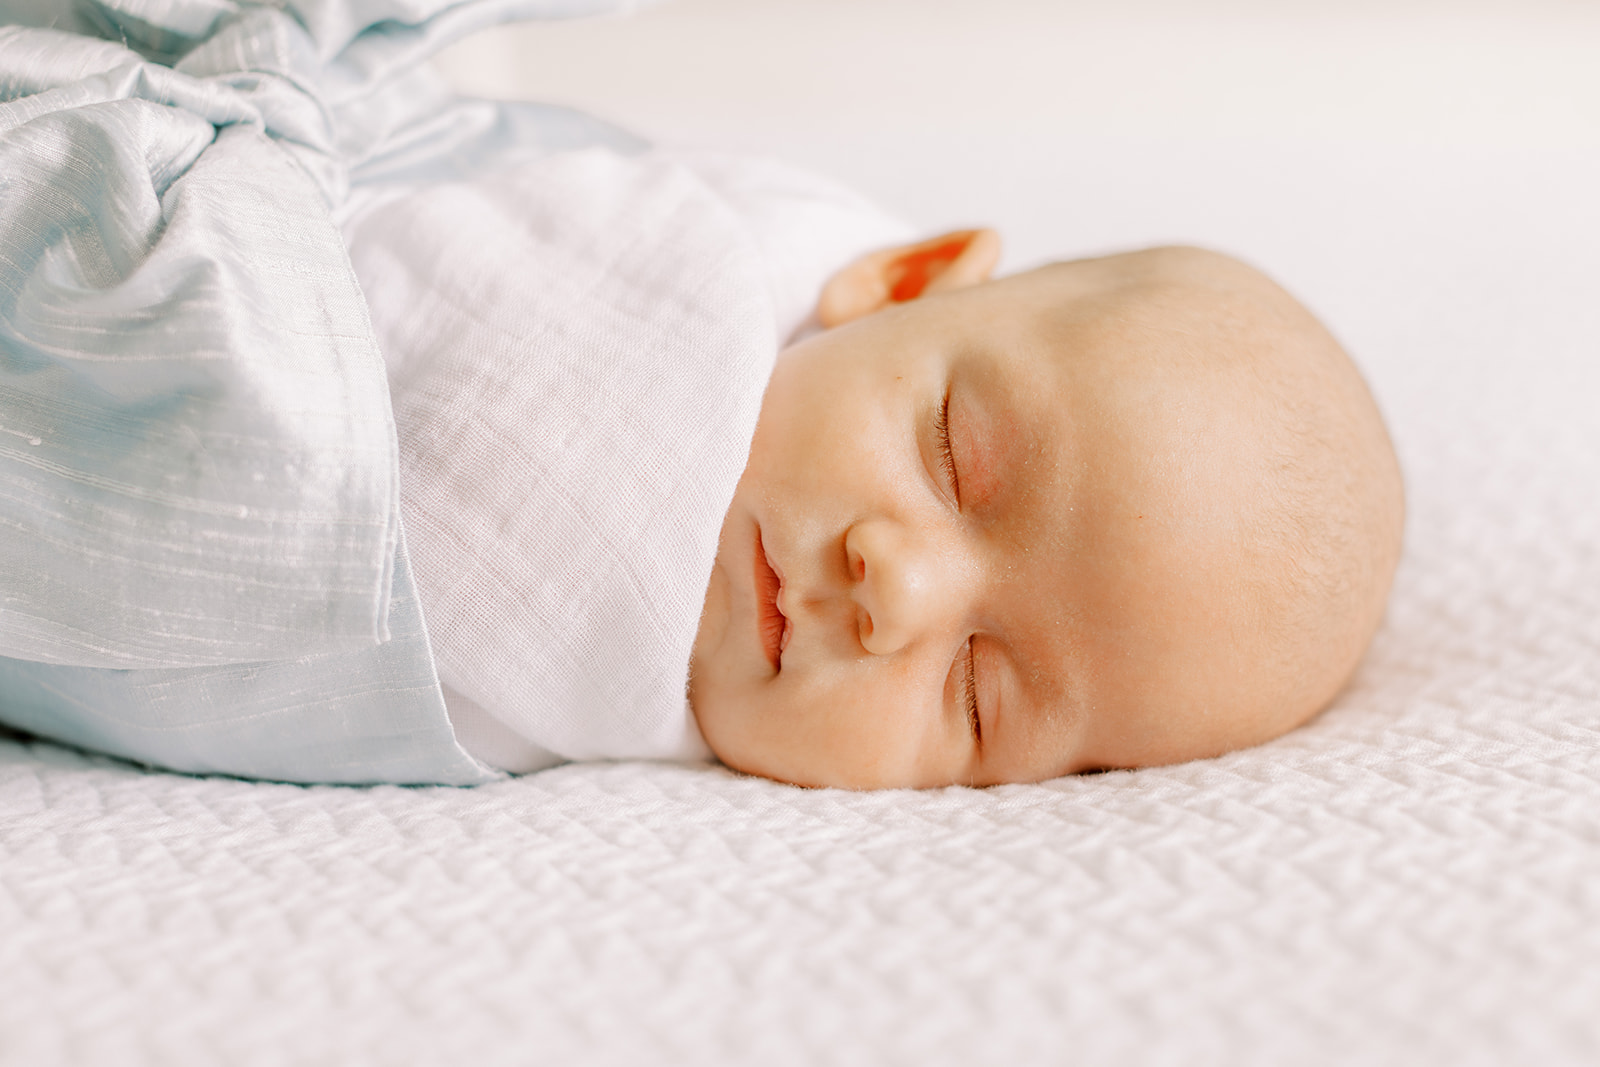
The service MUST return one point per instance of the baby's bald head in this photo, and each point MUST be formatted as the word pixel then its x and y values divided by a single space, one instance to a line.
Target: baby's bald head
pixel 1113 512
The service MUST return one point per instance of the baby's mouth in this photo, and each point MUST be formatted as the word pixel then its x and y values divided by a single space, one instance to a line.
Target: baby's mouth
pixel 771 625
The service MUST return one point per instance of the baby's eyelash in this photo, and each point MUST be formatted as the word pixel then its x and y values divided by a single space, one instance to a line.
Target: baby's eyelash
pixel 971 696
pixel 947 457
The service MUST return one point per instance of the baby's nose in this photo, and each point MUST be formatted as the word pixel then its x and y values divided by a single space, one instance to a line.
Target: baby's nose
pixel 900 582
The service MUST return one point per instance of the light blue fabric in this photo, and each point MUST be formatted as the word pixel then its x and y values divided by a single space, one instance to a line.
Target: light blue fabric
pixel 199 515
pixel 373 715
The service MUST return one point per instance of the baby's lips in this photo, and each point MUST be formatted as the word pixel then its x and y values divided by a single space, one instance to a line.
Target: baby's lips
pixel 771 623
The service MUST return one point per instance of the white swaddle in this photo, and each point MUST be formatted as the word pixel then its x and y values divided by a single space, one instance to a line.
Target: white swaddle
pixel 577 349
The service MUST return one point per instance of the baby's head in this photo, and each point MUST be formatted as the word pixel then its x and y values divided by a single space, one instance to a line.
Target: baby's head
pixel 1108 513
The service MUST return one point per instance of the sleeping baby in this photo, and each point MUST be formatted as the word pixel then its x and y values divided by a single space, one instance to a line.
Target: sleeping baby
pixel 436 439
pixel 1106 513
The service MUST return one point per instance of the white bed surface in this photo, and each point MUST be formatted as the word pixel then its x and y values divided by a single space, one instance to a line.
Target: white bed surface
pixel 1413 879
pixel 1409 891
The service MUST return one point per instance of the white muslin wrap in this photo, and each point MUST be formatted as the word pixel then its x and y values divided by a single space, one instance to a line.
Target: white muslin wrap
pixel 577 351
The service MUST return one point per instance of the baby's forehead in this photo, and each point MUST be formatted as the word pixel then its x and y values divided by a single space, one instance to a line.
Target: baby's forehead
pixel 1140 335
pixel 1060 340
pixel 1176 290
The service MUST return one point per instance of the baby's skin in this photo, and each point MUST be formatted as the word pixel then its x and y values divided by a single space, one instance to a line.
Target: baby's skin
pixel 1109 513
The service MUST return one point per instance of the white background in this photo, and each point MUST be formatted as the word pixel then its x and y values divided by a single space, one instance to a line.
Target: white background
pixel 1021 112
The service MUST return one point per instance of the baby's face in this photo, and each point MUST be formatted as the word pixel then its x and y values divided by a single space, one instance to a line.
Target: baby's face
pixel 983 537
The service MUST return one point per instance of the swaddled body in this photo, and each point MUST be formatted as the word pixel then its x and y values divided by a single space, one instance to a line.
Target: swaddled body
pixel 206 567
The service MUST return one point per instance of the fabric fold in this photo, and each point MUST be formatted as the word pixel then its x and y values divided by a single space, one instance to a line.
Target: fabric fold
pixel 197 464
pixel 355 718
pixel 197 454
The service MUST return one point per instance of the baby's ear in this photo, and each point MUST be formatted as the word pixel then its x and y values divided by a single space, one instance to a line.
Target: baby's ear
pixel 895 275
